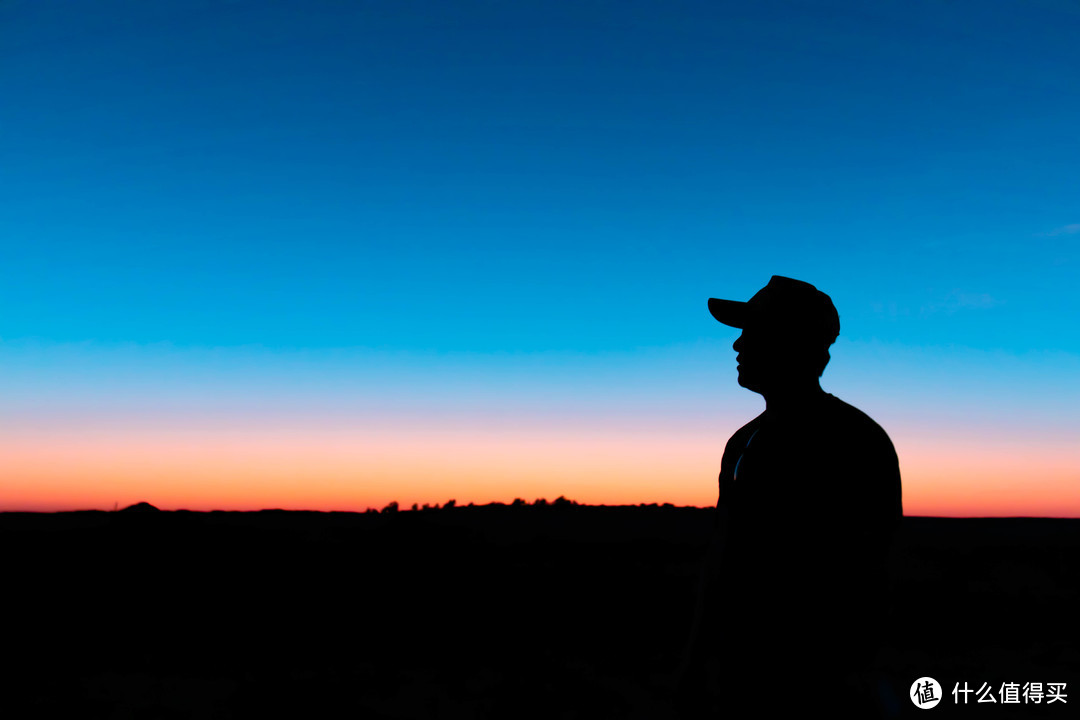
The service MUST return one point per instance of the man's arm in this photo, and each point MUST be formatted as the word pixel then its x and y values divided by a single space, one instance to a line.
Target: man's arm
pixel 692 666
pixel 690 671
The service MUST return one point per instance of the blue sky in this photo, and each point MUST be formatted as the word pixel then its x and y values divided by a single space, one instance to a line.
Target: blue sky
pixel 523 177
pixel 517 199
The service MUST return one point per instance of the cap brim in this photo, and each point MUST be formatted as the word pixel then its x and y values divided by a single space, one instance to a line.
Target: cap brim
pixel 729 312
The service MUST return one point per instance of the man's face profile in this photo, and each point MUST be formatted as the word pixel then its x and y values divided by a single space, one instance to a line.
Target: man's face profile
pixel 754 359
pixel 772 358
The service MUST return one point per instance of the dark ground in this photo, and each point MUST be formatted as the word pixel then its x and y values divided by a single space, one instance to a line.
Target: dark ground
pixel 493 611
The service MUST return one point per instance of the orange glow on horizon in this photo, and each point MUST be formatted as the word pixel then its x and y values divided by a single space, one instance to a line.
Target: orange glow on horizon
pixel 352 468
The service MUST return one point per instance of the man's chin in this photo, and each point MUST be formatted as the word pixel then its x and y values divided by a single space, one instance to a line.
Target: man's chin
pixel 748 383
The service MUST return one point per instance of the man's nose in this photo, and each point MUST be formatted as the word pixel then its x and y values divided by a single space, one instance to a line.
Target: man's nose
pixel 737 345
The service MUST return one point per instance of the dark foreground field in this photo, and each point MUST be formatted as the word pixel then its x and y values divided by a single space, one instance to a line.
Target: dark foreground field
pixel 472 612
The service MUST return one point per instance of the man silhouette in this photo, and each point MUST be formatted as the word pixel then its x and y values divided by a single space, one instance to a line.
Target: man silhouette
pixel 793 601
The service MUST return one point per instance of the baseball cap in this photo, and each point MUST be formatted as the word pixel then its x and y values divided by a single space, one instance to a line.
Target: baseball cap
pixel 786 305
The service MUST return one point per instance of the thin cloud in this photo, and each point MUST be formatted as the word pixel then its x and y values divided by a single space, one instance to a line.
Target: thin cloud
pixel 961 300
pixel 1064 230
pixel 975 300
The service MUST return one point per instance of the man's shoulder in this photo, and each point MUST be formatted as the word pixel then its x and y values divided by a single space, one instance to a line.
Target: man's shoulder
pixel 843 412
pixel 854 423
pixel 742 435
pixel 736 444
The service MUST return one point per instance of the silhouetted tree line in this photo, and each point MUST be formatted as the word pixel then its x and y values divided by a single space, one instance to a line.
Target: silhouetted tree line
pixel 392 507
pixel 560 502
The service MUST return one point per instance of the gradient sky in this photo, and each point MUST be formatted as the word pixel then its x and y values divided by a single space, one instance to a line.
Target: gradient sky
pixel 326 255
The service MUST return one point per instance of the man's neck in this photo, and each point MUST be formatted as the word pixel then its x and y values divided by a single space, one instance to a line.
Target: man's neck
pixel 792 399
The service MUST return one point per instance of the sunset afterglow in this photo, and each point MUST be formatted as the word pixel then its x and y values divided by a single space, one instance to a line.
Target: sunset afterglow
pixel 329 257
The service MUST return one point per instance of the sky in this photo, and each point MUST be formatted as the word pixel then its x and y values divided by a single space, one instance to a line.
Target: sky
pixel 326 255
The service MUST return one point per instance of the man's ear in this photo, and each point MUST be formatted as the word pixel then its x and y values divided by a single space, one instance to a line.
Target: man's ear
pixel 825 357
